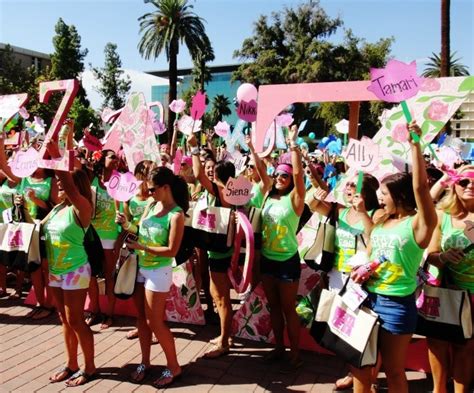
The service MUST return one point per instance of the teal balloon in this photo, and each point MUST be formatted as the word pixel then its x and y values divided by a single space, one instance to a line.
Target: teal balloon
pixel 299 141
pixel 312 135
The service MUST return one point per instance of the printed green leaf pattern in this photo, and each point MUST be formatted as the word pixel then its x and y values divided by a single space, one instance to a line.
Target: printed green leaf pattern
pixel 192 299
pixel 467 84
pixel 397 152
pixel 386 161
pixel 396 115
pixel 249 330
pixel 423 99
pixel 184 290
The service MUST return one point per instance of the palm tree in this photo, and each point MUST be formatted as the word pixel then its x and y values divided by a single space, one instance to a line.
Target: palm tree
pixel 445 64
pixel 433 68
pixel 220 108
pixel 201 73
pixel 171 24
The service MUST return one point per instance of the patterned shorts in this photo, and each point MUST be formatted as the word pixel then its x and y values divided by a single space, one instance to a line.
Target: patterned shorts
pixel 77 279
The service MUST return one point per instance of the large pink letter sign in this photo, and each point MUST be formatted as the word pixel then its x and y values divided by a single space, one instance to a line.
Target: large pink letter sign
pixel 272 99
pixel 71 86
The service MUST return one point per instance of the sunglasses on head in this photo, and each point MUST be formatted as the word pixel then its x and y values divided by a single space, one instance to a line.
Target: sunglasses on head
pixel 464 182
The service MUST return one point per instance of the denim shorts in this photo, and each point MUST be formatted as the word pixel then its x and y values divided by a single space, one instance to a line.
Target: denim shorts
pixel 287 271
pixel 397 314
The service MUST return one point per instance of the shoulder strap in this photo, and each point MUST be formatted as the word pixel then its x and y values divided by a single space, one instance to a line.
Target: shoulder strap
pixel 78 219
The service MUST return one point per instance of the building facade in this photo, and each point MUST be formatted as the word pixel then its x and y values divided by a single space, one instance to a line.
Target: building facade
pixel 28 57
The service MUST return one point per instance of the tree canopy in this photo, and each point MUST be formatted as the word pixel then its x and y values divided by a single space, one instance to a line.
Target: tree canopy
pixel 113 88
pixel 293 46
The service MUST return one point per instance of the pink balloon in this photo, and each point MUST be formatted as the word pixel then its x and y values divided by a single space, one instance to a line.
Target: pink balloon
pixel 247 92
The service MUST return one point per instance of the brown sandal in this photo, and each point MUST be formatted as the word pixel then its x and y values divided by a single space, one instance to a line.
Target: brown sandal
pixel 216 352
pixel 344 383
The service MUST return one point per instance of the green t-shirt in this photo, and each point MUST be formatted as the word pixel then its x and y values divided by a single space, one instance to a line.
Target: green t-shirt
pixel 7 194
pixel 42 191
pixel 64 241
pixel 136 208
pixel 396 276
pixel 279 225
pixel 104 220
pixel 345 241
pixel 461 274
pixel 154 232
pixel 257 196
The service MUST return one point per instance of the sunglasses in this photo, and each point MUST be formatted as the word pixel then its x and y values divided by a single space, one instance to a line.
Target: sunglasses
pixel 283 175
pixel 251 166
pixel 464 182
pixel 113 157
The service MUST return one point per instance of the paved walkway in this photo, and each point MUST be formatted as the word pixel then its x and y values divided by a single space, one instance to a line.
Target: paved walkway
pixel 32 350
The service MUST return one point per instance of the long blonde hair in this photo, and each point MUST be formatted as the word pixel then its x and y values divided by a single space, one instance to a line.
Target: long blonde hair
pixel 451 203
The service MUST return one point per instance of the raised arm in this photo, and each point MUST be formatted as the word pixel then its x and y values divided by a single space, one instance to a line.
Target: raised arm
pixel 198 170
pixel 299 191
pixel 82 206
pixel 266 181
pixel 425 219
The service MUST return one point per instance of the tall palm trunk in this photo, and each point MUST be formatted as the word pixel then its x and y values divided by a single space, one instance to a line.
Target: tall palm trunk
pixel 445 37
pixel 173 80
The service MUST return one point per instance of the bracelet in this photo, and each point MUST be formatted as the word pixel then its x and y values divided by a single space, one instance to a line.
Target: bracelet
pixel 195 151
pixel 127 226
pixel 293 144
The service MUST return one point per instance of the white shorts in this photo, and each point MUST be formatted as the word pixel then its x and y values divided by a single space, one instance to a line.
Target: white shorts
pixel 108 244
pixel 156 280
pixel 77 279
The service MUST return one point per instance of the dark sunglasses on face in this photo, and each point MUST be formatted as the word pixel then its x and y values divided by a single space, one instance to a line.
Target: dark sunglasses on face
pixel 151 190
pixel 464 182
pixel 250 166
pixel 283 175
pixel 112 157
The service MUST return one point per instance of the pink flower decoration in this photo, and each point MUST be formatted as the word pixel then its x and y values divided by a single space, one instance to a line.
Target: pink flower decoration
pixel 128 138
pixel 430 84
pixel 437 110
pixel 264 325
pixel 177 106
pixel 138 156
pixel 400 133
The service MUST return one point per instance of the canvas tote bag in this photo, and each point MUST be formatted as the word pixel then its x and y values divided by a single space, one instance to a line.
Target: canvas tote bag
pixel 350 334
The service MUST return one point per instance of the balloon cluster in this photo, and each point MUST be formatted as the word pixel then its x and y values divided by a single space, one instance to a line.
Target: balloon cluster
pixel 332 144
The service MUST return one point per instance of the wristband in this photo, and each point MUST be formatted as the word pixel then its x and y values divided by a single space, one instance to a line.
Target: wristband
pixel 126 226
pixel 293 145
pixel 195 151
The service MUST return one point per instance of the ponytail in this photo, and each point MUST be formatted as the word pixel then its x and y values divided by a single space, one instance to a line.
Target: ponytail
pixel 180 192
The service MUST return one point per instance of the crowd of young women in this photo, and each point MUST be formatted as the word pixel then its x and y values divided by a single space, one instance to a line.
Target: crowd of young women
pixel 401 224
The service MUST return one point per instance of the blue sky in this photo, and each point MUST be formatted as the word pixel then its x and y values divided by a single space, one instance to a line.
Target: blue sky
pixel 415 24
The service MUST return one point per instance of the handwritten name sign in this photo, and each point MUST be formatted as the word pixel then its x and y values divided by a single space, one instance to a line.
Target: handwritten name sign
pixel 187 125
pixel 396 82
pixel 122 186
pixel 238 191
pixel 222 128
pixel 247 111
pixel 24 163
pixel 362 155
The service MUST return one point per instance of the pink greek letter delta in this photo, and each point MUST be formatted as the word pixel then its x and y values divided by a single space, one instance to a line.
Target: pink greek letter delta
pixel 15 238
pixel 430 306
pixel 343 321
pixel 207 219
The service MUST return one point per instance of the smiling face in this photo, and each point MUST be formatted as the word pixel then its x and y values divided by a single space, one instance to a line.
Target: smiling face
pixel 349 192
pixel 111 160
pixel 282 181
pixel 209 169
pixel 385 200
pixel 464 187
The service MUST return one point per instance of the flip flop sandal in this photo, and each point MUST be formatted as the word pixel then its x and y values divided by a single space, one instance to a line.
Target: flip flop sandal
pixel 344 383
pixel 166 379
pixel 132 334
pixel 67 373
pixel 107 322
pixel 79 374
pixel 216 342
pixel 93 319
pixel 216 352
pixel 35 310
pixel 139 374
pixel 44 312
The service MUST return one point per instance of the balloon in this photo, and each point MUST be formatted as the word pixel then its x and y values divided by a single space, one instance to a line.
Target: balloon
pixel 246 92
pixel 299 140
pixel 312 135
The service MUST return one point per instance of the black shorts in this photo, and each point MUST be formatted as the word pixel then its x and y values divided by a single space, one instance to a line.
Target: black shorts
pixel 288 271
pixel 219 265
